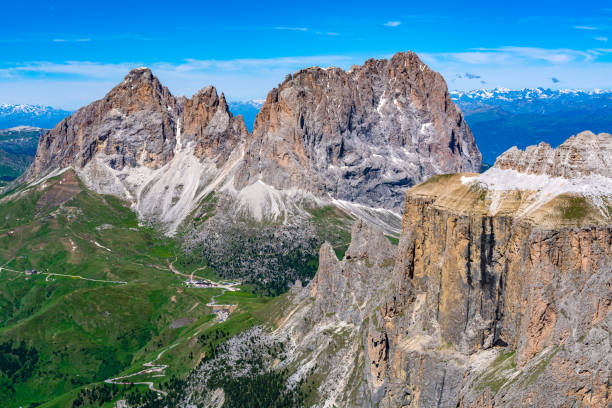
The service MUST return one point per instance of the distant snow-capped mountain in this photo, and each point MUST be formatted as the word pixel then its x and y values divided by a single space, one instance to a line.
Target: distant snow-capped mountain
pixel 501 118
pixel 526 93
pixel 248 109
pixel 530 99
pixel 30 115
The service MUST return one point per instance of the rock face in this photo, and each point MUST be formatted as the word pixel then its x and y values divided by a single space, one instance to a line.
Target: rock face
pixel 134 124
pixel 481 308
pixel 364 135
pixel 580 155
pixel 137 123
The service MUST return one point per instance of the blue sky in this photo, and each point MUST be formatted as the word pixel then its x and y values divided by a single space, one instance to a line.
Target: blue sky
pixel 67 53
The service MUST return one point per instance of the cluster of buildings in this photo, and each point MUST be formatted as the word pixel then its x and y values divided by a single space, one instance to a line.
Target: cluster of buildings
pixel 198 283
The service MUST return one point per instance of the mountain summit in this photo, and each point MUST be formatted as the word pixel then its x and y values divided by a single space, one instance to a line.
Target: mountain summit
pixel 364 135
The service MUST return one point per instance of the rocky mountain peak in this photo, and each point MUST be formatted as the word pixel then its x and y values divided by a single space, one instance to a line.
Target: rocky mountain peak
pixel 207 120
pixel 140 90
pixel 363 135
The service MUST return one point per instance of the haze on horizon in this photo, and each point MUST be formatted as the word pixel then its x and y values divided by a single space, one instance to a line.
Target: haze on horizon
pixel 67 53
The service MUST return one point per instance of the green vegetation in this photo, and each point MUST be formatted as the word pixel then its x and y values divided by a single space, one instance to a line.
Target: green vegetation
pixel 393 240
pixel 333 226
pixel 574 208
pixel 539 368
pixel 74 318
pixel 100 300
pixel 498 373
pixel 258 390
pixel 17 364
pixel 273 255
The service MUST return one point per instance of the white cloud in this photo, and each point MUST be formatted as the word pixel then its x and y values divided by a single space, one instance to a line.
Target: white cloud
pixel 579 27
pixel 62 40
pixel 392 23
pixel 602 39
pixel 519 67
pixel 513 55
pixel 292 28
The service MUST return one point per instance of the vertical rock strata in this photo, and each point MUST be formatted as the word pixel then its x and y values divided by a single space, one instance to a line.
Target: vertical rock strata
pixel 482 308
pixel 489 282
pixel 364 135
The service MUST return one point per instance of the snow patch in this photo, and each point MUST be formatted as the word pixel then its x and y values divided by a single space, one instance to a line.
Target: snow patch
pixel 546 187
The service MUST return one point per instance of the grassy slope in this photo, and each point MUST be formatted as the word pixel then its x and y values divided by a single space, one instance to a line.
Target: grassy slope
pixel 88 331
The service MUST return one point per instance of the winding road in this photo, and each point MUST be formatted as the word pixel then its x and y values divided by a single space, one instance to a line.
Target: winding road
pixel 152 368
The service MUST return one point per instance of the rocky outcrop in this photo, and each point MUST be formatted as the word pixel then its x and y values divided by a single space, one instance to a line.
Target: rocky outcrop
pixel 482 308
pixel 146 146
pixel 136 124
pixel 581 155
pixel 207 120
pixel 364 135
pixel 491 283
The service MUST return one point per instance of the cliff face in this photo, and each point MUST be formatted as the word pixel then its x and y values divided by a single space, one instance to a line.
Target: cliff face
pixel 492 283
pixel 362 135
pixel 486 305
pixel 134 123
pixel 581 155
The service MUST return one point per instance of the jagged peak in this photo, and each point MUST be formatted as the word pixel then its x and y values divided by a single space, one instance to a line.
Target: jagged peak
pixel 580 155
pixel 367 241
pixel 141 74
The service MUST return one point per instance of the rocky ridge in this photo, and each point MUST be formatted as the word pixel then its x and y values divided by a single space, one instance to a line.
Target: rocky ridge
pixel 161 153
pixel 358 137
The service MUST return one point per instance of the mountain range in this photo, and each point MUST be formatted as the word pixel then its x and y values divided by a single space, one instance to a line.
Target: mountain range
pixel 502 118
pixel 30 115
pixel 345 252
pixel 499 118
pixel 17 149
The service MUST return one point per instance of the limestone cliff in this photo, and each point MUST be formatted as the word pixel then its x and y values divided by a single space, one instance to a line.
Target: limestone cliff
pixel 364 135
pixel 486 305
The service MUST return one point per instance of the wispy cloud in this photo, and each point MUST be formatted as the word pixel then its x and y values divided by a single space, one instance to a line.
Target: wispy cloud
pixel 602 39
pixel 392 23
pixel 509 55
pixel 537 66
pixel 72 84
pixel 292 28
pixel 63 40
pixel 582 27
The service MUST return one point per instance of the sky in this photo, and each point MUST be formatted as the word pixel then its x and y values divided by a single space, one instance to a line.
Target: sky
pixel 67 53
